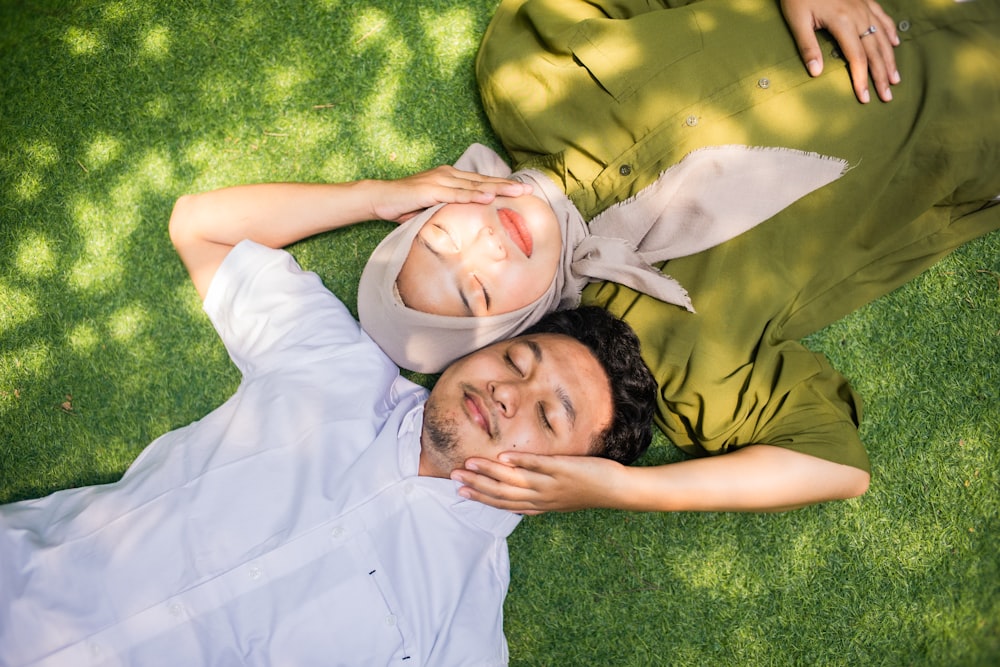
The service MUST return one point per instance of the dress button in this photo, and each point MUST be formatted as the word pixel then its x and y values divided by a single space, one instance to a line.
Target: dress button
pixel 691 121
pixel 904 25
pixel 764 82
pixel 625 170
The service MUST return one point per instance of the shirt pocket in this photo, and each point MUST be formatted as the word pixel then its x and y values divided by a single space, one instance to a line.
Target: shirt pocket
pixel 616 51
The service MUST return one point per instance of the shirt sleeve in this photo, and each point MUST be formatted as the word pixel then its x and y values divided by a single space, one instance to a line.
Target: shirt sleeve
pixel 270 314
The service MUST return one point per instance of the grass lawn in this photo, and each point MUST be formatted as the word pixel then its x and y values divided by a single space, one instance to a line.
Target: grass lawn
pixel 109 110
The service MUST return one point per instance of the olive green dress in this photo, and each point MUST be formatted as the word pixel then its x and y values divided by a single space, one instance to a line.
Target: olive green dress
pixel 604 95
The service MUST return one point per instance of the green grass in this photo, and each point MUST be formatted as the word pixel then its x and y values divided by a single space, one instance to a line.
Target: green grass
pixel 110 110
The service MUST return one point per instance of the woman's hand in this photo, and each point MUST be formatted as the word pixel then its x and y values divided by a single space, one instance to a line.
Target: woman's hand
pixel 865 33
pixel 402 199
pixel 534 483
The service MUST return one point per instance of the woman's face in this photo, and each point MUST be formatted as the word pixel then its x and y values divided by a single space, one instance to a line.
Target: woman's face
pixel 471 260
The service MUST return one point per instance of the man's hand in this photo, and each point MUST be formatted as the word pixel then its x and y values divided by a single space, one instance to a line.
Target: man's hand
pixel 401 199
pixel 865 33
pixel 534 483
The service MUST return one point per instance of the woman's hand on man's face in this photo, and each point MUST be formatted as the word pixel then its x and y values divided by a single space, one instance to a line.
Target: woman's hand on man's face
pixel 535 483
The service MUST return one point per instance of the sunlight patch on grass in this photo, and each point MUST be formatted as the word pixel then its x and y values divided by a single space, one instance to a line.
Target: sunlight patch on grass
pixel 28 187
pixel 82 42
pixel 27 361
pixel 127 323
pixel 452 34
pixel 101 150
pixel 380 125
pixel 159 107
pixel 99 263
pixel 83 338
pixel 339 167
pixel 155 172
pixel 106 226
pixel 42 153
pixel 16 307
pixel 34 256
pixel 156 42
pixel 368 25
pixel 282 81
pixel 116 11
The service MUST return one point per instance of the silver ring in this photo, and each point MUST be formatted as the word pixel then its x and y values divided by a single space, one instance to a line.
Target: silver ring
pixel 871 31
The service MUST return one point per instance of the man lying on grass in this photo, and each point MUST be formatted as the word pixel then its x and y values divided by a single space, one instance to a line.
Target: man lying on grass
pixel 309 519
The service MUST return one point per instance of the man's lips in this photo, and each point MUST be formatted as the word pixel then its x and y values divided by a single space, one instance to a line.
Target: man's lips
pixel 476 408
pixel 517 230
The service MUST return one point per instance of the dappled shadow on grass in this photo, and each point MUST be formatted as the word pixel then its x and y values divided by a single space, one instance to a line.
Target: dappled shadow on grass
pixel 111 112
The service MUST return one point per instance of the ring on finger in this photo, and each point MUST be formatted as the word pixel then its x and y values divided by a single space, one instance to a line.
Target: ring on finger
pixel 870 31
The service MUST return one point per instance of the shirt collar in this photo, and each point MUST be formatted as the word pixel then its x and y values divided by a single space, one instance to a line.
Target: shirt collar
pixel 498 522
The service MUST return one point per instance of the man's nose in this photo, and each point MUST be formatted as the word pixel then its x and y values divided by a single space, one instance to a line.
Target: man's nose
pixel 507 396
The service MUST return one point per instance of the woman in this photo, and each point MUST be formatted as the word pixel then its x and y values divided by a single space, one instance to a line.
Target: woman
pixel 604 96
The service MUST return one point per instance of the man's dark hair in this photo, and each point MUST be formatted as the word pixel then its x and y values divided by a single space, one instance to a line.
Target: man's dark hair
pixel 633 389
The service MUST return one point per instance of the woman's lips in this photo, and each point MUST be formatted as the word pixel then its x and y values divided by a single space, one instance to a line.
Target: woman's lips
pixel 517 230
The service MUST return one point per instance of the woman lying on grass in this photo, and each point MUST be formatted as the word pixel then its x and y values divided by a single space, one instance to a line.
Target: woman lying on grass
pixel 661 152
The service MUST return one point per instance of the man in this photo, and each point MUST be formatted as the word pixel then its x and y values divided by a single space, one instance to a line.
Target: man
pixel 309 519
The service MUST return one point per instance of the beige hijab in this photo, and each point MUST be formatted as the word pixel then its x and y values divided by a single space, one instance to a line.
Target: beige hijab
pixel 710 196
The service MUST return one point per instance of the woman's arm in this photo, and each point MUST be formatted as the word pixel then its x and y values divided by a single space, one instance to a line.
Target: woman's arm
pixel 758 478
pixel 204 227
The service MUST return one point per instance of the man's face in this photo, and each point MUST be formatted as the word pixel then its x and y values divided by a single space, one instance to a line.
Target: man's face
pixel 470 260
pixel 544 394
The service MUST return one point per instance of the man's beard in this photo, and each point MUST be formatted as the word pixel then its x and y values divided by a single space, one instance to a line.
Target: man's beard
pixel 441 435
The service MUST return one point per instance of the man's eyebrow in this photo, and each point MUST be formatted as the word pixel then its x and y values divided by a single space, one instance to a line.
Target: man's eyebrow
pixel 564 398
pixel 458 288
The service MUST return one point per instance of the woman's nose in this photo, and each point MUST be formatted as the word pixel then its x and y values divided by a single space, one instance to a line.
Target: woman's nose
pixel 489 244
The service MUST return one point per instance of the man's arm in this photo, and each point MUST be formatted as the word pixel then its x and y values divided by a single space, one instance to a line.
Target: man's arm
pixel 205 227
pixel 757 478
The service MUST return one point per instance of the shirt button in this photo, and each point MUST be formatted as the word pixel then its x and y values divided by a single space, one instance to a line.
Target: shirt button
pixel 625 169
pixel 175 609
pixel 691 121
pixel 764 82
pixel 255 572
pixel 337 532
pixel 904 25
pixel 390 620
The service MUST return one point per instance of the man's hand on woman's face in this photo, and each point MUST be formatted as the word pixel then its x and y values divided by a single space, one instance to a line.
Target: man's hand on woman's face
pixel 865 34
pixel 401 199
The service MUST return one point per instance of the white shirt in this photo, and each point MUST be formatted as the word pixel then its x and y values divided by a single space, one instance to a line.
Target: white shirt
pixel 287 527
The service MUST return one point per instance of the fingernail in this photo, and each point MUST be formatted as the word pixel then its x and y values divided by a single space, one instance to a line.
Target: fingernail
pixel 470 465
pixel 865 97
pixel 895 77
pixel 888 95
pixel 814 67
